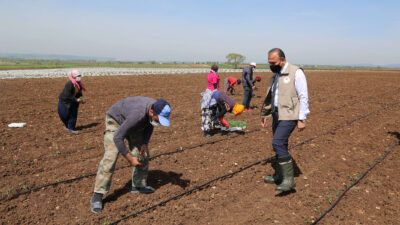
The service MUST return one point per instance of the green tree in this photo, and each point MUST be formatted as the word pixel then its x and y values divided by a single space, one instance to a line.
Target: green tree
pixel 235 59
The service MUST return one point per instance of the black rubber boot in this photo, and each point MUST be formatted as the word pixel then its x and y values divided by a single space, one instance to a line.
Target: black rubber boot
pixel 277 177
pixel 286 167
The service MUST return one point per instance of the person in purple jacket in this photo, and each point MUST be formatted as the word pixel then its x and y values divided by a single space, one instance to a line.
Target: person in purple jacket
pixel 132 118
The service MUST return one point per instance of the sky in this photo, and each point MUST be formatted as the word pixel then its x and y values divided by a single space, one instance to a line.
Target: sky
pixel 309 32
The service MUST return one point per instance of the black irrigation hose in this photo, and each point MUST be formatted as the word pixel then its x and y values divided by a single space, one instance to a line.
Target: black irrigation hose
pixel 192 147
pixel 356 182
pixel 123 167
pixel 188 148
pixel 228 175
pixel 177 151
pixel 200 187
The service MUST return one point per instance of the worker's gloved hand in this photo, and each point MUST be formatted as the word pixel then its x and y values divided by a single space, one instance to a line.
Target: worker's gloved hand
pixel 223 121
pixel 83 101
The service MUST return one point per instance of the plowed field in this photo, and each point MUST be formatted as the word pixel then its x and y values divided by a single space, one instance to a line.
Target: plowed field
pixel 355 118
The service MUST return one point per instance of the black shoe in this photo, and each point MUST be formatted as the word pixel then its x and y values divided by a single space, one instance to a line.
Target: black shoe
pixel 96 206
pixel 207 135
pixel 142 190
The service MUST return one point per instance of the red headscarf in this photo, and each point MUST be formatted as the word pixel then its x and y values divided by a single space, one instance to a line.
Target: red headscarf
pixel 72 75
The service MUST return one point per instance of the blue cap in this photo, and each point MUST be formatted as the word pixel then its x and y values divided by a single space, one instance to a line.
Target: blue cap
pixel 163 110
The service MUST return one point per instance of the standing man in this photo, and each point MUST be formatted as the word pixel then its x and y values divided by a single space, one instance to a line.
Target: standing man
pixel 132 118
pixel 287 101
pixel 248 85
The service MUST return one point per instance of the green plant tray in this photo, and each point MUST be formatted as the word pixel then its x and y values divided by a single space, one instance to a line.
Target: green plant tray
pixel 241 124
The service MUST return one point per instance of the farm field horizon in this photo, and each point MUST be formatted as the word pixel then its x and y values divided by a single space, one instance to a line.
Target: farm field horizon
pixel 354 120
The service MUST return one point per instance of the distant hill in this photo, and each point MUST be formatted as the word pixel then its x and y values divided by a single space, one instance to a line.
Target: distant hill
pixel 393 66
pixel 53 57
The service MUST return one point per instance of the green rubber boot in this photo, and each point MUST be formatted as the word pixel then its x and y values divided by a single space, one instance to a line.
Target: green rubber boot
pixel 286 167
pixel 277 177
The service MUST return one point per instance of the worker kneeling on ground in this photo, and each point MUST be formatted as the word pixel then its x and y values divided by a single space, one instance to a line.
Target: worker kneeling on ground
pixel 133 119
pixel 224 104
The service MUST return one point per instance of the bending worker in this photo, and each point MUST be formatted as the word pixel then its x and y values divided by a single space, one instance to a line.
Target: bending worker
pixel 133 119
pixel 287 102
pixel 229 84
pixel 226 104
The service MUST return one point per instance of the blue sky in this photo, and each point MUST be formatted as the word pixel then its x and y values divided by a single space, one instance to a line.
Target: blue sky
pixel 310 32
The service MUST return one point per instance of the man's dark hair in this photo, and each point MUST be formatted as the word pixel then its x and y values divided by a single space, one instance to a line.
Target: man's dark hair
pixel 214 67
pixel 280 52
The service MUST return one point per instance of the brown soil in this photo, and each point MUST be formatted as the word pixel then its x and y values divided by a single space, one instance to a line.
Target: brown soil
pixel 44 153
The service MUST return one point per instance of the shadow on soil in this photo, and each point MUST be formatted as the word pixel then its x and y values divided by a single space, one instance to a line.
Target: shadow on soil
pixel 90 125
pixel 395 134
pixel 156 179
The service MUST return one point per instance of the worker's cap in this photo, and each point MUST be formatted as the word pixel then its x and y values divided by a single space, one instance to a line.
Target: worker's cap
pixel 253 64
pixel 258 78
pixel 163 110
pixel 239 81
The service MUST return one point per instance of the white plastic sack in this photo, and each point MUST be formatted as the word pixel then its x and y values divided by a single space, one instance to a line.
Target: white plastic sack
pixel 17 125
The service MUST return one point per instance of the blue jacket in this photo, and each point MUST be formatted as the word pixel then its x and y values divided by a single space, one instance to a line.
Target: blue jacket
pixel 247 77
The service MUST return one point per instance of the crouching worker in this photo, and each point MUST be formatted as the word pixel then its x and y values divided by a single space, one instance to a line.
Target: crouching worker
pixel 226 104
pixel 133 119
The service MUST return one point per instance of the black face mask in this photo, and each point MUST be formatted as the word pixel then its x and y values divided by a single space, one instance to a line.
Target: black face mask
pixel 275 68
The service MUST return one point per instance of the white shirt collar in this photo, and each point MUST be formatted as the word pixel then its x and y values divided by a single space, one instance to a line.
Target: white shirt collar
pixel 284 67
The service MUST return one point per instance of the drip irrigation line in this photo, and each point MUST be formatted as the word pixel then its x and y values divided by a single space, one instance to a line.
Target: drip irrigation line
pixel 123 167
pixel 201 145
pixel 164 132
pixel 192 147
pixel 197 188
pixel 228 175
pixel 356 182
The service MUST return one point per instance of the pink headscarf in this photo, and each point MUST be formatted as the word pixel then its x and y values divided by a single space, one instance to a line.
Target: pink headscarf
pixel 72 75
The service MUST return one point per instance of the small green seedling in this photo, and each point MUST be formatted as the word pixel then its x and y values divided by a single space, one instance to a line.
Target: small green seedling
pixel 336 191
pixel 24 187
pixel 316 209
pixel 6 194
pixel 58 180
pixel 106 221
pixel 57 154
pixel 329 198
pixel 15 162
